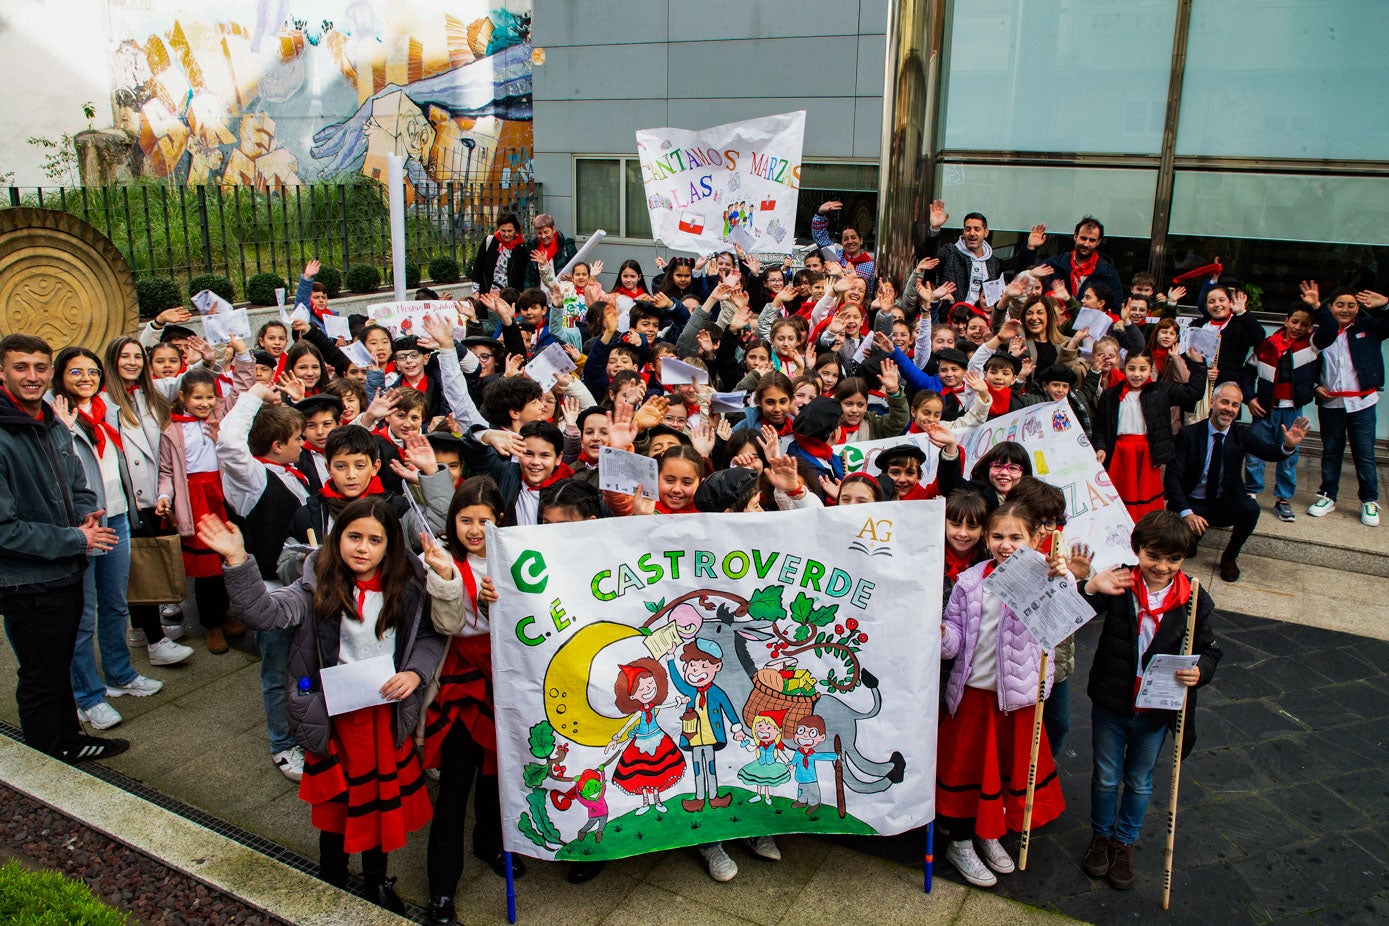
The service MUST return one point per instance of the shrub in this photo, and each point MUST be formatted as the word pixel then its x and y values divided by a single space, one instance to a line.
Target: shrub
pixel 46 898
pixel 218 284
pixel 412 276
pixel 260 289
pixel 331 278
pixel 155 294
pixel 444 269
pixel 362 278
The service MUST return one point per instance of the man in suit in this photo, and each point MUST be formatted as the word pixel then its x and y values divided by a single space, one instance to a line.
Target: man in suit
pixel 1206 488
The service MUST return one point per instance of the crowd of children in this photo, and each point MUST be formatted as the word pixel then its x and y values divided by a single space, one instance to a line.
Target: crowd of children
pixel 290 475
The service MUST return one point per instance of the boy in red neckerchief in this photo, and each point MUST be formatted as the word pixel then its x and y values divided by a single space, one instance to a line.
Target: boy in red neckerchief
pixel 1286 368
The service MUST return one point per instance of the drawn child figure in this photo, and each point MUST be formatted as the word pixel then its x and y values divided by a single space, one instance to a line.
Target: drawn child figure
pixel 591 790
pixel 650 763
pixel 768 769
pixel 810 733
pixel 713 712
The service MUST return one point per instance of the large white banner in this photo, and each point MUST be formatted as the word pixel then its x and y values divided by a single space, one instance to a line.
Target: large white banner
pixel 705 677
pixel 734 184
pixel 1061 456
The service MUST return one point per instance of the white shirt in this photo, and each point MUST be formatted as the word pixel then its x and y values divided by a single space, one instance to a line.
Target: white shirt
pixel 199 450
pixel 358 638
pixel 111 479
pixel 1148 629
pixel 983 671
pixel 1131 414
pixel 1338 375
pixel 527 505
pixel 474 624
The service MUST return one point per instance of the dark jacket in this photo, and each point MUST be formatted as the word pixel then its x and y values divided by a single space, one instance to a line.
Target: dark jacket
pixel 1105 272
pixel 43 498
pixel 1156 400
pixel 564 253
pixel 1116 662
pixel 1241 334
pixel 1364 337
pixel 486 262
pixel 954 268
pixel 1298 368
pixel 418 646
pixel 1189 461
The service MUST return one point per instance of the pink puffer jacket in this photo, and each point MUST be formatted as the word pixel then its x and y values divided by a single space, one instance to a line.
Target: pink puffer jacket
pixel 1019 655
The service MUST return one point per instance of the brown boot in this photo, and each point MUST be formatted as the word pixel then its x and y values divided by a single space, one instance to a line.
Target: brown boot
pixel 693 804
pixel 216 641
pixel 721 801
pixel 233 628
pixel 1098 857
pixel 1121 868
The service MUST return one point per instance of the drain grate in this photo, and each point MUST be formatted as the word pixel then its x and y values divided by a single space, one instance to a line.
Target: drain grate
pixel 217 825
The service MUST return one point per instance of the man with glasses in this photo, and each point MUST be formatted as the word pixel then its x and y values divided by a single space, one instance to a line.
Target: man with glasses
pixel 49 524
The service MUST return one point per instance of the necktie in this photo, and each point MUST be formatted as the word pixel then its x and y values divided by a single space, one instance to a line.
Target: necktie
pixel 1217 468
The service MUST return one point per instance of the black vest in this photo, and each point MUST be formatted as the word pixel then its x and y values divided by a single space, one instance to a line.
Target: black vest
pixel 266 526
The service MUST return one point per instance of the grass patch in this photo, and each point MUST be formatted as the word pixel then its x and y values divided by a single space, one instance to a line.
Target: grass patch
pixel 46 898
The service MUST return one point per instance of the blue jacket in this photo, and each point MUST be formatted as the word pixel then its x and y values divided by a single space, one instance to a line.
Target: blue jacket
pixel 721 710
pixel 1364 337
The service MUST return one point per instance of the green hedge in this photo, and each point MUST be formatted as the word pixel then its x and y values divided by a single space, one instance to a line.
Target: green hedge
pixel 46 898
pixel 444 269
pixel 331 278
pixel 362 278
pixel 260 289
pixel 155 294
pixel 218 284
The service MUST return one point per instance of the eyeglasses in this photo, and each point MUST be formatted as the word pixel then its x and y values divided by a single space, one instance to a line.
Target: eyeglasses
pixel 84 374
pixel 407 355
pixel 1051 523
pixel 1012 469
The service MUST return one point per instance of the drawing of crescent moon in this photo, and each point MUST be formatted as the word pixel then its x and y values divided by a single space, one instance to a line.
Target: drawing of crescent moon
pixel 566 685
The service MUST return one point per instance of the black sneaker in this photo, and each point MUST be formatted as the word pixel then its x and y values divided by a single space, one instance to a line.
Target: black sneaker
pixel 94 749
pixel 441 911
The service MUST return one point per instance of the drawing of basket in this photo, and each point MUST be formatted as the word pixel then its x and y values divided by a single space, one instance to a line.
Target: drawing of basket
pixel 767 694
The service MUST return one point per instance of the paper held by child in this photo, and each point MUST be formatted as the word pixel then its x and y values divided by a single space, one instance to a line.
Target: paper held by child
pixel 678 373
pixel 1098 322
pixel 662 640
pixel 548 365
pixel 337 328
pixel 355 685
pixel 1160 690
pixel 209 303
pixel 729 403
pixel 357 352
pixel 993 291
pixel 1051 608
pixel 1204 341
pixel 300 314
pixel 221 327
pixel 622 471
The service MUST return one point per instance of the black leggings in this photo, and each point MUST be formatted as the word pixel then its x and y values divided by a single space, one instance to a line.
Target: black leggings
pixel 460 767
pixel 211 595
pixel 332 861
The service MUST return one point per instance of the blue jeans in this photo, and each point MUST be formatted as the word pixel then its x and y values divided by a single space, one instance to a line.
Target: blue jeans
pixel 274 646
pixel 1270 428
pixel 1125 749
pixel 1056 714
pixel 105 615
pixel 1336 424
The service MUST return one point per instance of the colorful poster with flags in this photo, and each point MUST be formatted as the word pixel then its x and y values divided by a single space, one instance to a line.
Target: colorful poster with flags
pixel 716 676
pixel 734 184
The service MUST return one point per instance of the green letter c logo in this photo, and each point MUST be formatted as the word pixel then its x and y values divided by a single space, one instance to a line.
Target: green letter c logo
pixel 528 572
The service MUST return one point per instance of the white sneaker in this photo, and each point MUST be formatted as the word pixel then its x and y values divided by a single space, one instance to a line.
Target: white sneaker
pixel 765 847
pixel 136 637
pixel 166 653
pixel 1322 506
pixel 290 762
pixel 432 774
pixel 169 612
pixel 996 857
pixel 961 854
pixel 1369 514
pixel 172 631
pixel 100 715
pixel 721 867
pixel 139 687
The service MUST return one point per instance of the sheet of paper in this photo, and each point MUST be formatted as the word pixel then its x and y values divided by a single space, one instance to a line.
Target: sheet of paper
pixel 624 309
pixel 337 327
pixel 1098 322
pixel 300 314
pixel 355 685
pixel 1052 609
pixel 623 471
pixel 659 641
pixel 280 296
pixel 421 523
pixel 729 403
pixel 993 291
pixel 357 352
pixel 221 327
pixel 678 372
pixel 209 303
pixel 1204 341
pixel 1160 690
pixel 547 366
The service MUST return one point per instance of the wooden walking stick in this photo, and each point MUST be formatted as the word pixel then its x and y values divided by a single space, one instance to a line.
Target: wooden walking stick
pixel 1036 739
pixel 1180 730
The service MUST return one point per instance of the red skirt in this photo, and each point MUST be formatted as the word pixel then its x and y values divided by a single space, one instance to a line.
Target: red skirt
pixel 204 497
pixel 981 767
pixel 465 696
pixel 1135 478
pixel 366 788
pixel 638 771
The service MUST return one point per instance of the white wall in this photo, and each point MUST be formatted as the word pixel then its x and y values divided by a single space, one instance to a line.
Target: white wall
pixel 55 59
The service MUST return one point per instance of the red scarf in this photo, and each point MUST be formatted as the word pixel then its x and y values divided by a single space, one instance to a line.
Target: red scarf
pixel 465 569
pixel 637 293
pixel 422 384
pixel 1079 271
pixel 182 418
pixel 815 447
pixel 591 461
pixel 989 567
pixel 805 755
pixel 331 491
pixel 292 470
pixel 955 563
pixel 363 586
pixel 862 257
pixel 1125 389
pixel 702 699
pixel 688 509
pixel 310 445
pixel 785 429
pixel 849 434
pixel 10 396
pixel 1160 359
pixel 1116 377
pixel 562 471
pixel 917 493
pixel 507 245
pixel 1001 400
pixel 549 250
pixel 96 421
pixel 1178 597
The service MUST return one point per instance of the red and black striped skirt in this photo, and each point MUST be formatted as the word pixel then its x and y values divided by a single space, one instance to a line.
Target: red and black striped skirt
pixel 464 696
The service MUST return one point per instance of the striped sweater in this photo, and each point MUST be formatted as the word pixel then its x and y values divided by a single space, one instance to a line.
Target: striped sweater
pixel 1286 370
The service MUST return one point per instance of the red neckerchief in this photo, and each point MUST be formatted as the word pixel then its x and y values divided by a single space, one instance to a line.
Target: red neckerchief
pixel 1160 359
pixel 96 420
pixel 310 445
pixel 1125 389
pixel 805 755
pixel 638 293
pixel 1001 400
pixel 815 447
pixel 785 429
pixel 549 250
pixel 989 567
pixel 662 509
pixel 591 461
pixel 10 395
pixel 951 390
pixel 702 699
pixel 1079 271
pixel 363 586
pixel 1219 325
pixel 955 563
pixel 862 257
pixel 916 493
pixel 421 384
pixel 465 569
pixel 279 364
pixel 505 245
pixel 132 388
pixel 182 418
pixel 848 432
pixel 1116 376
pixel 320 313
pixel 331 491
pixel 1178 597
pixel 292 470
pixel 562 471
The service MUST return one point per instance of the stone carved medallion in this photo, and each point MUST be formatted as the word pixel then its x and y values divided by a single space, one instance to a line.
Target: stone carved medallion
pixel 62 280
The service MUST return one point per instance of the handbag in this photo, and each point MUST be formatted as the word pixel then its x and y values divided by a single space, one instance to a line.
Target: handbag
pixel 156 571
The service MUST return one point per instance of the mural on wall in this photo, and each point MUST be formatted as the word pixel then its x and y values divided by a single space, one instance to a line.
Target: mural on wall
pixel 266 93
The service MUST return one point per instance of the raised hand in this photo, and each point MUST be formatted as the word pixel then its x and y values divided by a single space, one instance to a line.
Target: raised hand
pixel 701 262
pixel 65 411
pixel 705 340
pixel 927 263
pixel 975 382
pixel 222 538
pixel 937 215
pixel 1110 582
pixel 942 291
pixel 311 269
pixel 622 430
pixel 641 504
pixel 782 474
pixel 651 412
pixel 290 384
pixel 406 471
pixel 595 268
pixel 506 443
pixel 832 205
pixel 570 408
pixel 1079 559
pixel 1371 299
pixel 439 329
pixel 1310 293
pixel 419 453
pixel 724 429
pixel 770 441
pixel 1036 237
pixel 1012 328
pixel 1294 433
pixel 515 365
pixel 381 406
pixel 436 557
pixel 702 437
pixel 941 436
pixel 890 377
pixel 175 316
pixel 1058 290
pixel 1175 294
pixel 1241 302
pixel 883 343
pixel 831 487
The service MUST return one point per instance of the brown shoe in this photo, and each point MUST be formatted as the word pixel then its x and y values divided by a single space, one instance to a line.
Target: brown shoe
pixel 721 801
pixel 234 628
pixel 693 804
pixel 797 805
pixel 1121 868
pixel 1098 857
pixel 216 641
pixel 1229 569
